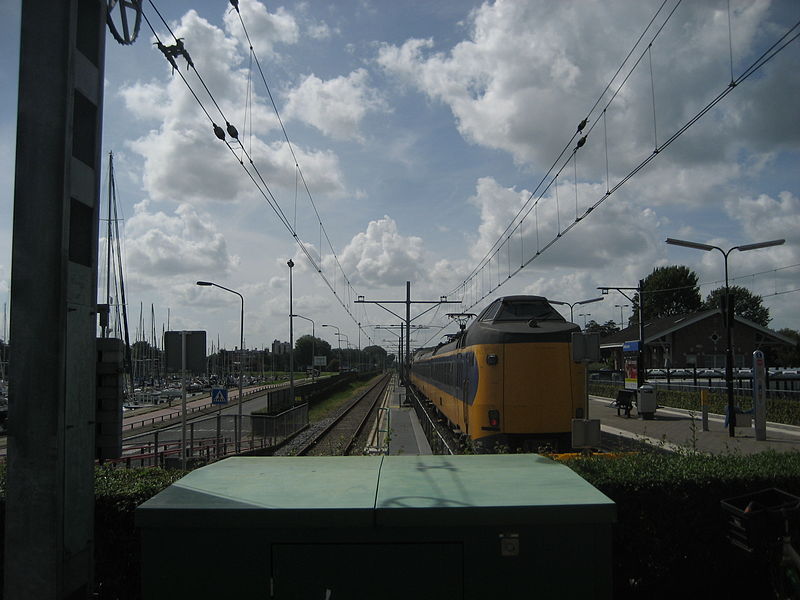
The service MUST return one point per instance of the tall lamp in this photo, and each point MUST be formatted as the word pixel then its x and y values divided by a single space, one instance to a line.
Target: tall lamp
pixel 241 359
pixel 727 313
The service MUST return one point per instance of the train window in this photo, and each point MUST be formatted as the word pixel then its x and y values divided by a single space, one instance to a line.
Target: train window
pixel 491 311
pixel 527 309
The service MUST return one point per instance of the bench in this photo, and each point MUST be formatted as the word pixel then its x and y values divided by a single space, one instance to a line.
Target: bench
pixel 624 401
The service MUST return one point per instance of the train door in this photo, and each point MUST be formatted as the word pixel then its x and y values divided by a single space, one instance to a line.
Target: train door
pixel 461 386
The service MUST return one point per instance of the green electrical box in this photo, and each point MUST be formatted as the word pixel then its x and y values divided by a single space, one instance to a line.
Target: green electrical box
pixel 471 527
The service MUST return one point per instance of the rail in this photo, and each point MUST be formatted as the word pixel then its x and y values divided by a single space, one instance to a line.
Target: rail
pixel 379 386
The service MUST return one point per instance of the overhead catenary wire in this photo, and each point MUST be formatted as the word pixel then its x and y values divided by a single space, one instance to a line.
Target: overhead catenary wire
pixel 580 128
pixel 770 53
pixel 347 283
pixel 251 168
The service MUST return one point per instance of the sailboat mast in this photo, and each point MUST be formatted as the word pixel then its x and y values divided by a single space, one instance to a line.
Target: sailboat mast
pixel 105 327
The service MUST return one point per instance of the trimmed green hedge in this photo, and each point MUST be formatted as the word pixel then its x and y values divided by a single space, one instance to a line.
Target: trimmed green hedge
pixel 669 540
pixel 117 550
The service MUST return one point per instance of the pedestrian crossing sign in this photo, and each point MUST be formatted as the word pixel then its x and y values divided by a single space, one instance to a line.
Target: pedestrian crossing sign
pixel 219 396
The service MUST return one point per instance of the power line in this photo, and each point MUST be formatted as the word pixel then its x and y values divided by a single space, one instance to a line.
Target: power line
pixel 494 248
pixel 172 52
pixel 770 53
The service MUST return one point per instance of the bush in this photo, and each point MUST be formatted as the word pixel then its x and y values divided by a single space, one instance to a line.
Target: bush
pixel 670 533
pixel 117 549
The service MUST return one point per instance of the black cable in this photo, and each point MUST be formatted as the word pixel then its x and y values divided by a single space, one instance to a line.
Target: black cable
pixel 768 55
pixel 349 285
pixel 483 261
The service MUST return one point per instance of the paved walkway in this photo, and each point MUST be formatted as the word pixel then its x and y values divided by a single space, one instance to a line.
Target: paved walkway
pixel 673 428
pixel 407 436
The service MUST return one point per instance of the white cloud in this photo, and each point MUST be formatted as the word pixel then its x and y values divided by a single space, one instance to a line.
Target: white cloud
pixel 337 106
pixel 319 31
pixel 184 160
pixel 762 219
pixel 529 71
pixel 265 29
pixel 162 248
pixel 381 256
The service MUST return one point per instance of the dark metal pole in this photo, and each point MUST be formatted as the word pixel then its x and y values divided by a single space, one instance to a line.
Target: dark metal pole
pixel 640 368
pixel 241 373
pixel 408 323
pixel 291 335
pixel 728 317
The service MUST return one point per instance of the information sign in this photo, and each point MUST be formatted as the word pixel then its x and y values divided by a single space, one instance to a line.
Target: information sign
pixel 219 395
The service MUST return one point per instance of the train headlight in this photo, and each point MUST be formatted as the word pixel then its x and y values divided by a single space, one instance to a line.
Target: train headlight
pixel 491 359
pixel 494 418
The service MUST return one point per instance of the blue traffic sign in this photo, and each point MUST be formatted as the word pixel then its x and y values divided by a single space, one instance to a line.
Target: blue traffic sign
pixel 219 396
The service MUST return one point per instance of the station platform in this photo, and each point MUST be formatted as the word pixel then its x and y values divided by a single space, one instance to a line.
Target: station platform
pixel 673 429
pixel 398 431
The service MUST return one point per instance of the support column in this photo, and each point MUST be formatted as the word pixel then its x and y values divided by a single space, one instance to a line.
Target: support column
pixel 50 493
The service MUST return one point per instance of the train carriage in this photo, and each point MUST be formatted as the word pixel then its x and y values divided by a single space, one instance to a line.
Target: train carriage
pixel 508 380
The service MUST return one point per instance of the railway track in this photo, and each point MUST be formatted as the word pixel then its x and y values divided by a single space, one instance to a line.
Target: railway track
pixel 338 436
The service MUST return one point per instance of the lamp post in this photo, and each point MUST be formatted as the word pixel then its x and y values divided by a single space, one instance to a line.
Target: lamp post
pixel 290 263
pixel 572 305
pixel 312 342
pixel 340 343
pixel 727 312
pixel 241 359
pixel 584 315
pixel 347 341
pixel 621 320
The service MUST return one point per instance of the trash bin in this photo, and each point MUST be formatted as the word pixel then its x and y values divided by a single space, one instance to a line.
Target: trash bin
pixel 646 402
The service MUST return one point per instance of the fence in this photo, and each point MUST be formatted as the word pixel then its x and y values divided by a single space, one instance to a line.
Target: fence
pixel 780 385
pixel 212 438
pixel 435 439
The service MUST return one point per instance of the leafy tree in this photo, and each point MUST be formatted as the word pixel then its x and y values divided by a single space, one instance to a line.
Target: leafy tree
pixel 747 304
pixel 304 346
pixel 608 328
pixel 783 356
pixel 373 355
pixel 668 291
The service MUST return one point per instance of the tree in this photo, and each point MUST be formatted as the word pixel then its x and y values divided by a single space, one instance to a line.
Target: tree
pixel 668 291
pixel 374 356
pixel 783 356
pixel 303 348
pixel 746 304
pixel 608 328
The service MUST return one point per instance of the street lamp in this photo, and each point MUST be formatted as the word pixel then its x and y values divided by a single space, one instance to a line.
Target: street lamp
pixel 346 341
pixel 241 359
pixel 574 304
pixel 340 343
pixel 727 312
pixel 312 342
pixel 584 315
pixel 621 320
pixel 290 263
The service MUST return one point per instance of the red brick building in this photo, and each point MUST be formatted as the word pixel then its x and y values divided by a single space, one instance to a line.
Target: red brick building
pixel 695 339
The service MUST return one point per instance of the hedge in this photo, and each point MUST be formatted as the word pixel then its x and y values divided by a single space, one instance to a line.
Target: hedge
pixel 669 539
pixel 117 552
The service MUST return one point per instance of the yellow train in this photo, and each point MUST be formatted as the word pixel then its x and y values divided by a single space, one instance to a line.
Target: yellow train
pixel 507 380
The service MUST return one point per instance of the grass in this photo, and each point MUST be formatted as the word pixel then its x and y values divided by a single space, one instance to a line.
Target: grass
pixel 322 409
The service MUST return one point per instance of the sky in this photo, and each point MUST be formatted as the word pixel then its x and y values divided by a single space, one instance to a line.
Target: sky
pixel 421 137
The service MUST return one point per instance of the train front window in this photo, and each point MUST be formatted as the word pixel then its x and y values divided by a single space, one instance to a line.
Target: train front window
pixel 539 310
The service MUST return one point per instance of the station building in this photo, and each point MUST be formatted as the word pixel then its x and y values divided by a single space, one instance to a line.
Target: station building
pixel 694 340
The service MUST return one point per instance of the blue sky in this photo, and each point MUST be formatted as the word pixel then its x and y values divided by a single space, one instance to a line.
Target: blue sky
pixel 421 129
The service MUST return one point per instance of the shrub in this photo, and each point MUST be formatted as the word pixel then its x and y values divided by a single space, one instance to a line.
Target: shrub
pixel 670 531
